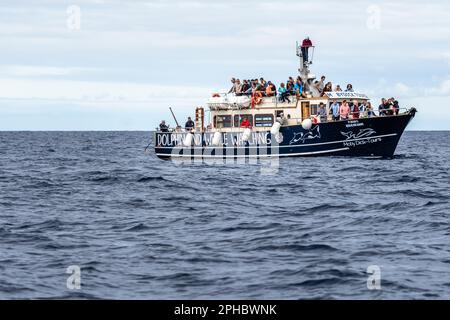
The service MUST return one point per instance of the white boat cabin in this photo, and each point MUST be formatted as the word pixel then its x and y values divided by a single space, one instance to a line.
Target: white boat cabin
pixel 227 111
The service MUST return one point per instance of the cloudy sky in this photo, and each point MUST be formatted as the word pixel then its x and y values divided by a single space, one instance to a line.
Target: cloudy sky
pixel 119 65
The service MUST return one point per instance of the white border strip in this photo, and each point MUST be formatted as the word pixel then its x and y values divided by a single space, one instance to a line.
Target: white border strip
pixel 250 156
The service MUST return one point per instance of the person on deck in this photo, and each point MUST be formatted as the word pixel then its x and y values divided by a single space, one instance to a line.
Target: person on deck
pixel 245 87
pixel 283 94
pixel 298 88
pixel 306 44
pixel 344 110
pixel 355 110
pixel 233 87
pixel 322 113
pixel 189 124
pixel 349 88
pixel 369 111
pixel 163 127
pixel 335 110
pixel 245 123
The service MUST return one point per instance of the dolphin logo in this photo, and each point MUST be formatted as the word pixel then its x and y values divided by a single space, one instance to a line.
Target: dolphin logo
pixel 309 135
pixel 363 133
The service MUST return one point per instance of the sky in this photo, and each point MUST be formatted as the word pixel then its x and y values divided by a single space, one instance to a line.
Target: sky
pixel 119 65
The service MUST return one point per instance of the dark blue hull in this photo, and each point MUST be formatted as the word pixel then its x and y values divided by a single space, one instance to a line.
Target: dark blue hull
pixel 364 137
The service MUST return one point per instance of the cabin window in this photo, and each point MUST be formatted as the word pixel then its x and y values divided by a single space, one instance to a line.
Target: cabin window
pixel 263 120
pixel 222 121
pixel 314 108
pixel 238 118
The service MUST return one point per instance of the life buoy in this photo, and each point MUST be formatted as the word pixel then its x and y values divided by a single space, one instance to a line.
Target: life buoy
pixel 216 95
pixel 314 120
pixel 256 98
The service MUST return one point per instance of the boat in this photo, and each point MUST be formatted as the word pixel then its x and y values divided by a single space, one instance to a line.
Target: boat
pixel 285 129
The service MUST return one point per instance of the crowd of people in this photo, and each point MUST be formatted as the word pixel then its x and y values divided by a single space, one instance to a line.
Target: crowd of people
pixel 293 87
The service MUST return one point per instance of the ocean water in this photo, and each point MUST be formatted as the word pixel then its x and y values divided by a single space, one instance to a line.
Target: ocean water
pixel 142 228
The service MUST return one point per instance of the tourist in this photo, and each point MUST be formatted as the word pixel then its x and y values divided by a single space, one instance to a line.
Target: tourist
pixel 260 86
pixel 306 44
pixel 271 90
pixel 355 110
pixel 369 111
pixel 263 82
pixel 382 107
pixel 396 107
pixel 338 88
pixel 290 87
pixel 245 87
pixel 315 89
pixel 298 88
pixel 328 88
pixel 189 126
pixel 163 127
pixel 238 87
pixel 322 113
pixel 283 94
pixel 349 88
pixel 233 88
pixel 321 84
pixel 335 107
pixel 245 123
pixel 344 110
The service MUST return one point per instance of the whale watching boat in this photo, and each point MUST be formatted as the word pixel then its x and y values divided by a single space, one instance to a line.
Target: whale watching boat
pixel 302 122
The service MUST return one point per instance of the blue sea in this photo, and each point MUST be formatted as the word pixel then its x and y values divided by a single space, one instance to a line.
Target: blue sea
pixel 142 228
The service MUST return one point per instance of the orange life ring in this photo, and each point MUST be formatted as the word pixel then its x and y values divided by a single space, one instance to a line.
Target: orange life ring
pixel 216 95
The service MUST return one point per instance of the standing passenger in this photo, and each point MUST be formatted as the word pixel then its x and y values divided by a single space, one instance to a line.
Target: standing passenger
pixel 189 124
pixel 355 110
pixel 335 110
pixel 344 110
pixel 322 113
pixel 306 44
pixel 163 127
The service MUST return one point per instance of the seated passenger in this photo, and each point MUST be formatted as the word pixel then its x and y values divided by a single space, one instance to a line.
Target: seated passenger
pixel 270 89
pixel 338 88
pixel 163 127
pixel 322 113
pixel 238 87
pixel 328 88
pixel 283 95
pixel 298 88
pixel 349 88
pixel 245 87
pixel 290 87
pixel 233 81
pixel 261 88
pixel 245 123
pixel 344 110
